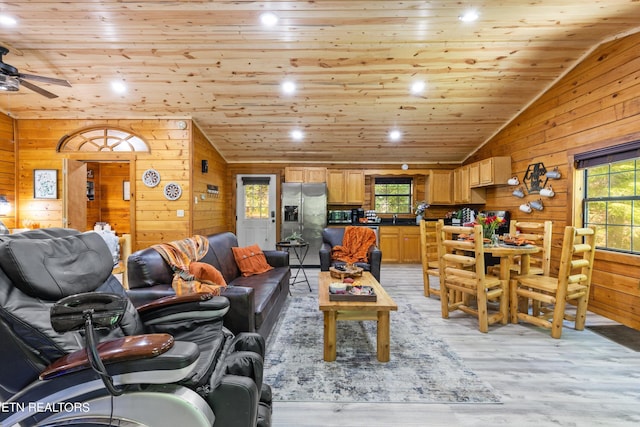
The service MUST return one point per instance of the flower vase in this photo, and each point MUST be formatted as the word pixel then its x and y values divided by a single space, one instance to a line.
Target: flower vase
pixel 418 219
pixel 489 233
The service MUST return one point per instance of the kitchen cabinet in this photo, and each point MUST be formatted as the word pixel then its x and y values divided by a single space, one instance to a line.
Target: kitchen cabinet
pixel 490 171
pixel 400 244
pixel 462 191
pixel 474 174
pixel 345 186
pixel 306 175
pixel 390 243
pixel 439 187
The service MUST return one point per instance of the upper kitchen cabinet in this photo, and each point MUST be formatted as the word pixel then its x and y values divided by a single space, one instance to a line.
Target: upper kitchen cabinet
pixel 345 187
pixel 491 171
pixel 297 174
pixel 439 187
pixel 462 191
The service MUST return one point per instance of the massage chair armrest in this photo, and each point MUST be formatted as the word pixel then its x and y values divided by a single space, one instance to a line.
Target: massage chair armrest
pixel 325 256
pixel 126 355
pixel 277 258
pixel 184 307
pixel 242 309
pixel 235 401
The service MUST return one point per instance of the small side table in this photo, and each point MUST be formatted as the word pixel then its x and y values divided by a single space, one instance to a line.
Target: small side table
pixel 299 250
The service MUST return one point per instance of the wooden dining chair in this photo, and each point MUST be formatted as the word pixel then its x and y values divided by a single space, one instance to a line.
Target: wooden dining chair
pixel 462 271
pixel 540 233
pixel 571 284
pixel 429 256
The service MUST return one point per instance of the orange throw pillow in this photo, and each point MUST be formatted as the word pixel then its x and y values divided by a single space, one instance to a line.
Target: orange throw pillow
pixel 251 260
pixel 204 271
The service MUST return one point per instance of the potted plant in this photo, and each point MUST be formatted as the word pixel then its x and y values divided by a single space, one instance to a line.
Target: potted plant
pixel 294 237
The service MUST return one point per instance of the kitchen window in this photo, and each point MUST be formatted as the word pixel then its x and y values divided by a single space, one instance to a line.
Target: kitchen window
pixel 611 199
pixel 393 195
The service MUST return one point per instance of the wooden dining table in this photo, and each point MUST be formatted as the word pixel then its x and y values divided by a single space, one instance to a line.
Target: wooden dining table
pixel 506 254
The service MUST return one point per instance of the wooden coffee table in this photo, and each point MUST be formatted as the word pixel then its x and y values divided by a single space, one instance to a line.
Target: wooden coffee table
pixel 355 310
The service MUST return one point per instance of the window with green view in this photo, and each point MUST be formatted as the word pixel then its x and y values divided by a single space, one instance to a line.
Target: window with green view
pixel 256 201
pixel 393 195
pixel 612 203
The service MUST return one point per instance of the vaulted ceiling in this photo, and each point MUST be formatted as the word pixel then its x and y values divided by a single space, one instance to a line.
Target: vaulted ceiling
pixel 353 64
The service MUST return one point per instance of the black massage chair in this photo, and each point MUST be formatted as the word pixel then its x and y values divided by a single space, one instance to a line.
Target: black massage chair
pixel 75 351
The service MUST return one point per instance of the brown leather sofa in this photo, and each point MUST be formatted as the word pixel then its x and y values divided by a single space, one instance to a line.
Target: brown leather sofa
pixel 256 301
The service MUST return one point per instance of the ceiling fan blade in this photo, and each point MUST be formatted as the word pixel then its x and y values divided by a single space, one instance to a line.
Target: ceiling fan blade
pixel 37 89
pixel 43 79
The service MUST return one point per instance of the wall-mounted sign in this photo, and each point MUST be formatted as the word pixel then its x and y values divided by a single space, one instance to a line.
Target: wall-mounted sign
pixel 535 179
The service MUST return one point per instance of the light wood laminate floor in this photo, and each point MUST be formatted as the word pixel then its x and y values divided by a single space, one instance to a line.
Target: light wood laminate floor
pixel 580 380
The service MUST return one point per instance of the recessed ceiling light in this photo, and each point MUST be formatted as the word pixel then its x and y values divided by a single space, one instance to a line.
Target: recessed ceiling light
pixel 469 16
pixel 395 135
pixel 7 20
pixel 118 86
pixel 297 135
pixel 288 87
pixel 417 87
pixel 269 19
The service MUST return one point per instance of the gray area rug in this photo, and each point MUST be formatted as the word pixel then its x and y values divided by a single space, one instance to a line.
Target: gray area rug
pixel 422 368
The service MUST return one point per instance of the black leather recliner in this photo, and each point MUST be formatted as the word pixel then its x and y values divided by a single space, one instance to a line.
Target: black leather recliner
pixel 172 360
pixel 333 237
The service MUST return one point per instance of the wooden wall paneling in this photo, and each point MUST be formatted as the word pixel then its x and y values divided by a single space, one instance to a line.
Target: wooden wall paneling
pixel 156 217
pixel 209 211
pixel 8 168
pixel 595 105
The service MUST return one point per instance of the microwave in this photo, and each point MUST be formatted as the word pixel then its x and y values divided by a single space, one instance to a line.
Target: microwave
pixel 339 217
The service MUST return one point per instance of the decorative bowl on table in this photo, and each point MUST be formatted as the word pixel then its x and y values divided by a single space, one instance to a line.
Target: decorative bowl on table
pixel 348 270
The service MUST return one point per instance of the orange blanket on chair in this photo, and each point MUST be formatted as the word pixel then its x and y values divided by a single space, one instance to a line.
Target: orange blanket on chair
pixel 355 244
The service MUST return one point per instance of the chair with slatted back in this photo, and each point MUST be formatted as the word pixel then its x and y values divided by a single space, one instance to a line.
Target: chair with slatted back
pixel 429 256
pixel 462 271
pixel 571 284
pixel 540 233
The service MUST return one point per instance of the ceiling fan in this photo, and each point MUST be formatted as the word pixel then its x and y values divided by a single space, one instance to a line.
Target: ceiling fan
pixel 11 79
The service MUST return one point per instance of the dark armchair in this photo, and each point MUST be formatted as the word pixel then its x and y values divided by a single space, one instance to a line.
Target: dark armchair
pixel 333 237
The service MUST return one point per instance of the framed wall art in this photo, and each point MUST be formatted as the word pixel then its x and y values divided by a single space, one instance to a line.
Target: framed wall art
pixel 45 184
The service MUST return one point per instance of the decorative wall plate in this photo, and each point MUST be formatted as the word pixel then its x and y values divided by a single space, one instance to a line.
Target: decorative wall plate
pixel 172 191
pixel 151 177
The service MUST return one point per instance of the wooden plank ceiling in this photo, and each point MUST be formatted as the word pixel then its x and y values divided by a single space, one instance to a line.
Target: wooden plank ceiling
pixel 353 63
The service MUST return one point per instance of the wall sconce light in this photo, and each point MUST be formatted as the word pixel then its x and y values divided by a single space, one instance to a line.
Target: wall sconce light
pixel 205 166
pixel 554 174
pixel 5 206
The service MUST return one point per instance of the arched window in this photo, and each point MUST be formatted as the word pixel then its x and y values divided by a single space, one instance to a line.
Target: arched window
pixel 101 139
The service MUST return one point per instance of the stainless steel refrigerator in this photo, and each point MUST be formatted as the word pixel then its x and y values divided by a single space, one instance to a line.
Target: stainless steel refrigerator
pixel 304 209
